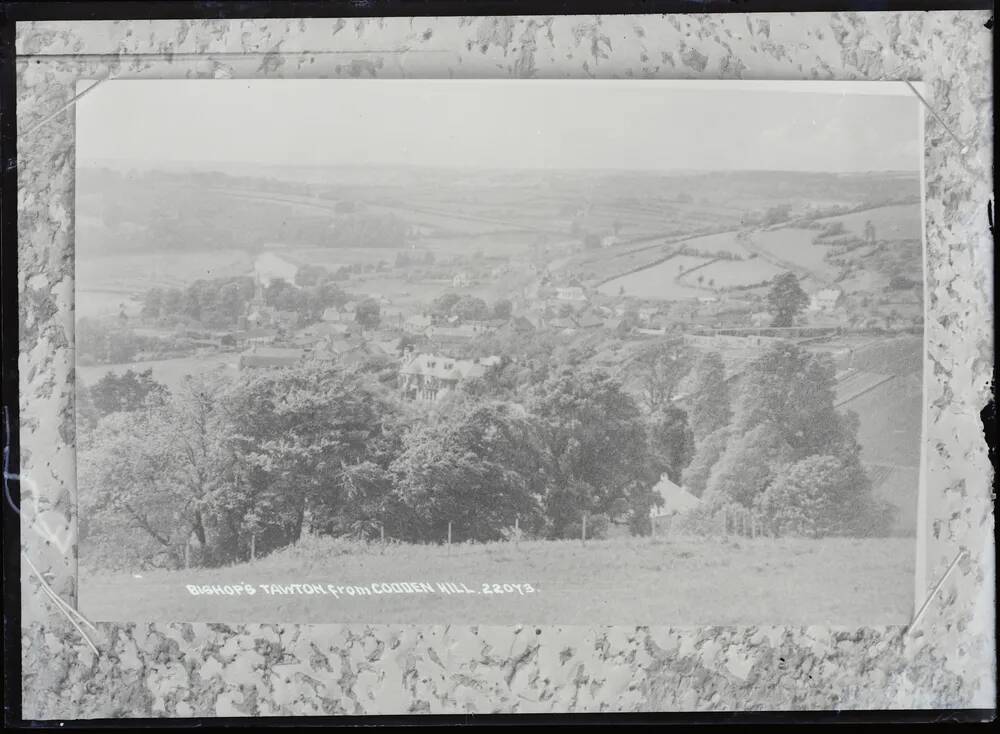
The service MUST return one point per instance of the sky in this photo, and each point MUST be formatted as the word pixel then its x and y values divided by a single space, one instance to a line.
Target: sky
pixel 504 124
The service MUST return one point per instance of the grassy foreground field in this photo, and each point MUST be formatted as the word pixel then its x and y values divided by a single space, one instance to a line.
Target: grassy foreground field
pixel 644 581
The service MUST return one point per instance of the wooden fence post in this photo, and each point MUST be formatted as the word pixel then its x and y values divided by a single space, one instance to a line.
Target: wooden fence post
pixel 583 535
pixel 187 554
pixel 253 547
pixel 381 534
pixel 449 536
pixel 517 531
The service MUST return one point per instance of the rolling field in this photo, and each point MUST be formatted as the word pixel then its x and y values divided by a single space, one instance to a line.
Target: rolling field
pixel 655 581
pixel 658 281
pixel 170 372
pixel 795 246
pixel 727 274
pixel 899 222
pixel 136 273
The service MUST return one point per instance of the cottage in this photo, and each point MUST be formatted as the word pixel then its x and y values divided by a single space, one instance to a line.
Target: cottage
pixel 461 280
pixel 675 498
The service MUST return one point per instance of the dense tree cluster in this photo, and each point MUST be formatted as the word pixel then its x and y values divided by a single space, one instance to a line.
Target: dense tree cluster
pixel 221 303
pixel 224 464
pixel 785 429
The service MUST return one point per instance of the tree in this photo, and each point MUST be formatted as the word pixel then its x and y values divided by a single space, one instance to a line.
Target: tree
pixel 442 305
pixel 126 392
pixel 368 313
pixel 477 466
pixel 709 450
pixel 659 368
pixel 794 391
pixel 748 466
pixel 595 447
pixel 160 471
pixel 821 495
pixel 152 304
pixel 671 441
pixel 502 309
pixel 311 275
pixel 296 432
pixel 786 299
pixel 710 403
pixel 97 341
pixel 471 308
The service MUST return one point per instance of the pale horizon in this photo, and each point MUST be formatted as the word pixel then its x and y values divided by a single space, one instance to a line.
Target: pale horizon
pixel 553 125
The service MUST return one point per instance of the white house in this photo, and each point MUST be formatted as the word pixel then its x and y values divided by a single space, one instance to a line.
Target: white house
pixel 825 300
pixel 676 499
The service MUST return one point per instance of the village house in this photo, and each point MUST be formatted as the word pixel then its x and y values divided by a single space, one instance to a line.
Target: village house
pixel 461 280
pixel 429 377
pixel 825 300
pixel 255 336
pixel 570 293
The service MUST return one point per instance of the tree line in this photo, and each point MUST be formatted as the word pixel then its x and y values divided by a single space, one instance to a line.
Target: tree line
pixel 254 462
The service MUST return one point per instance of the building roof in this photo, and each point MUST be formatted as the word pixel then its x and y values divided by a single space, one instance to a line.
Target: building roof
pixel 676 499
pixel 447 368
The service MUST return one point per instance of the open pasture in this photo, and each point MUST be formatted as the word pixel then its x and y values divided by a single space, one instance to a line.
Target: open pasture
pixel 795 246
pixel 898 222
pixel 658 281
pixel 136 273
pixel 673 581
pixel 727 274
pixel 170 372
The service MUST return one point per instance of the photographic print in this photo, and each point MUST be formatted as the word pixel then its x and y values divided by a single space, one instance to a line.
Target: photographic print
pixel 499 352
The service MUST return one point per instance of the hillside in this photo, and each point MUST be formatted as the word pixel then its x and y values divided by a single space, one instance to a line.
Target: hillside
pixel 663 581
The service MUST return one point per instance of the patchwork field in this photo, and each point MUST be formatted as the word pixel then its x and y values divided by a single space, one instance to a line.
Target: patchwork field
pixel 658 281
pixel 662 581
